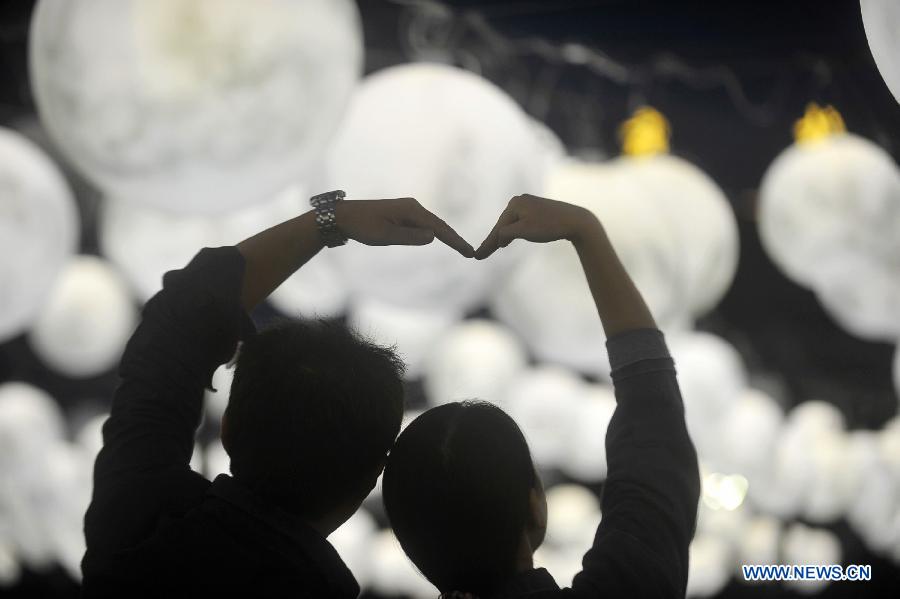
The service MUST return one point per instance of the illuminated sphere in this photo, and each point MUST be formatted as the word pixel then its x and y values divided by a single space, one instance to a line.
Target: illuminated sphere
pixel 353 540
pixel 30 419
pixel 828 215
pixel 585 456
pixel 84 326
pixel 698 212
pixel 881 19
pixel 712 377
pixel 573 514
pixel 546 298
pixel 760 541
pixel 476 359
pixel 544 403
pixel 146 242
pixel 749 431
pixel 413 331
pixel 709 566
pixel 456 143
pixel 194 106
pixel 802 545
pixel 393 574
pixel 38 230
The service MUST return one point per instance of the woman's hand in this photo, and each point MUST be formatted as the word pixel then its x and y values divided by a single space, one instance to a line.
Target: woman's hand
pixel 539 220
pixel 401 221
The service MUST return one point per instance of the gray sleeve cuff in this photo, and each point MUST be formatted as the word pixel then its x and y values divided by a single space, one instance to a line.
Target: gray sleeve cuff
pixel 636 345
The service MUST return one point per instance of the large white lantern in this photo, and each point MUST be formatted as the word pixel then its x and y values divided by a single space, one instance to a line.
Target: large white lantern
pixel 689 201
pixel 585 455
pixel 546 298
pixel 829 214
pixel 194 105
pixel 457 144
pixel 476 359
pixel 573 514
pixel 84 326
pixel 803 545
pixel 881 19
pixel 38 230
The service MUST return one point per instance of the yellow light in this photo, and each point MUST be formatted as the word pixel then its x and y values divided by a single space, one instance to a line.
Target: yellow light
pixel 724 492
pixel 645 134
pixel 818 123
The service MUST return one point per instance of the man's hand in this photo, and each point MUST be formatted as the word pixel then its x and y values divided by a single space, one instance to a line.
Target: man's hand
pixel 539 220
pixel 401 221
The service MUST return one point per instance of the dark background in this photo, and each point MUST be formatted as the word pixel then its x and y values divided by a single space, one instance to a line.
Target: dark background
pixel 731 77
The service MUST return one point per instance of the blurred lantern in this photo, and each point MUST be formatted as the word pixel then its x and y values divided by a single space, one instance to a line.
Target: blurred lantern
pixel 544 402
pixel 690 203
pixel 748 433
pixel 476 359
pixel 38 230
pixel 393 574
pixel 828 216
pixel 457 144
pixel 413 331
pixel 30 420
pixel 82 329
pixel 562 564
pixel 353 542
pixel 90 436
pixel 546 297
pixel 62 500
pixel 712 378
pixel 881 19
pixel 759 544
pixel 709 565
pixel 194 106
pixel 573 514
pixel 803 546
pixel 585 456
pixel 10 570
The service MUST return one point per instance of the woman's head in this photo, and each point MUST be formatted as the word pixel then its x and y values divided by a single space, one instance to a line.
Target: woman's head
pixel 463 497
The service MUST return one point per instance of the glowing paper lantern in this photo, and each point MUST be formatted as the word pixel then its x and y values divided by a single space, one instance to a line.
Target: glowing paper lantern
pixel 476 359
pixel 194 105
pixel 690 202
pixel 712 378
pixel 748 433
pixel 29 421
pixel 38 230
pixel 10 570
pixel 83 328
pixel 881 19
pixel 544 402
pixel 709 565
pixel 573 514
pixel 392 572
pixel 413 331
pixel 760 542
pixel 353 541
pixel 828 216
pixel 457 144
pixel 546 298
pixel 803 545
pixel 585 457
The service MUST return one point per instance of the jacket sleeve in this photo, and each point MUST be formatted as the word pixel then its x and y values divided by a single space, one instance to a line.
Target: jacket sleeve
pixel 187 330
pixel 650 497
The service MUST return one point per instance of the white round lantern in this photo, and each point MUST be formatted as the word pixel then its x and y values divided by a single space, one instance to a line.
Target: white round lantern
pixel 828 216
pixel 146 242
pixel 759 543
pixel 585 456
pixel 881 19
pixel 30 420
pixel 712 377
pixel 803 546
pixel 392 572
pixel 38 230
pixel 83 328
pixel 573 514
pixel 194 105
pixel 457 144
pixel 544 402
pixel 709 565
pixel 691 204
pixel 412 331
pixel 476 359
pixel 748 433
pixel 353 542
pixel 546 298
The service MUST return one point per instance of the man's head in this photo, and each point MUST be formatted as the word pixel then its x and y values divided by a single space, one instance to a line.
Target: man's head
pixel 313 411
pixel 463 497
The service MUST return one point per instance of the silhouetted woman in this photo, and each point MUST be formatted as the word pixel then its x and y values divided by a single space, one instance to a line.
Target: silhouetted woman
pixel 462 493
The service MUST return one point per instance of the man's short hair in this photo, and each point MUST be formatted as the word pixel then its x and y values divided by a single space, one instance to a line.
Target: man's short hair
pixel 313 411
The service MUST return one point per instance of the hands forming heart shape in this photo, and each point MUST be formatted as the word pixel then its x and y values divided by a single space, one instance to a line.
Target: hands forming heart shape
pixel 404 221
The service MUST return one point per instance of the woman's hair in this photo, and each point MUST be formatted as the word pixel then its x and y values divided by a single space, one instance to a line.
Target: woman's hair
pixel 457 492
